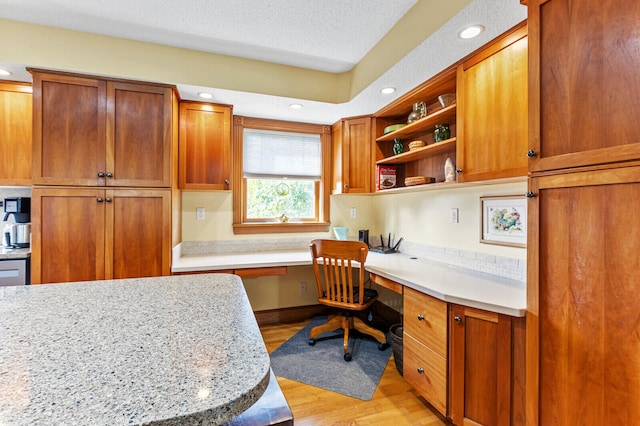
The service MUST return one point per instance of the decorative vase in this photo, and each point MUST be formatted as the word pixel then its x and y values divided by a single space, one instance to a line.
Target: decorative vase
pixel 441 133
pixel 398 148
pixel 419 111
pixel 449 170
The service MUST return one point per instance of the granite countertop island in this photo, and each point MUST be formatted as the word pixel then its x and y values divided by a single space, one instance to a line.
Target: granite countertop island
pixel 167 350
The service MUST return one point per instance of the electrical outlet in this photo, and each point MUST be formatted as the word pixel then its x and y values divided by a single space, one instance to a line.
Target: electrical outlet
pixel 352 212
pixel 454 215
pixel 200 213
pixel 303 287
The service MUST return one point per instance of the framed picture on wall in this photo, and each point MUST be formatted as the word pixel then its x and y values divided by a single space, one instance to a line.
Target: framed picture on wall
pixel 504 220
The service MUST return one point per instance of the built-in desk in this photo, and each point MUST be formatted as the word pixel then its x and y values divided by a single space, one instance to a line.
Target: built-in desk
pixel 448 283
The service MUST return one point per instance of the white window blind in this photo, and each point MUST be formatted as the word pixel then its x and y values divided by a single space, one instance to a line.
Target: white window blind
pixel 281 154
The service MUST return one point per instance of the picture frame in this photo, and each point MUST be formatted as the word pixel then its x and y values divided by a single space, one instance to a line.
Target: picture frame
pixel 504 220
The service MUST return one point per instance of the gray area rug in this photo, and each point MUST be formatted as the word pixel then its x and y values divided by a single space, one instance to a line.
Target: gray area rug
pixel 323 365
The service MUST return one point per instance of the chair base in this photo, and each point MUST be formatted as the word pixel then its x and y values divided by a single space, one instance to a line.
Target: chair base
pixel 348 323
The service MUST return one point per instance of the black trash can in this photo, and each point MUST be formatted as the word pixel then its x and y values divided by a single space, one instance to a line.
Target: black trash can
pixel 396 345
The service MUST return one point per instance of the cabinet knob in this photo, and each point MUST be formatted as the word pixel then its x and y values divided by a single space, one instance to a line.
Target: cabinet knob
pixel 458 171
pixel 99 199
pixel 227 182
pixel 101 174
pixel 108 200
pixel 457 319
pixel 346 185
pixel 530 194
pixel 531 153
pixel 420 370
pixel 420 317
pixel 109 174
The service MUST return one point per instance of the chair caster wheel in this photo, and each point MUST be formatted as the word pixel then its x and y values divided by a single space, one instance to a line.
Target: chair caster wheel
pixel 347 357
pixel 312 342
pixel 382 346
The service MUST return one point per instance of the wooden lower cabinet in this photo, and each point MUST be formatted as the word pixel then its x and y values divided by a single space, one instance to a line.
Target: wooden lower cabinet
pixel 486 377
pixel 425 347
pixel 85 234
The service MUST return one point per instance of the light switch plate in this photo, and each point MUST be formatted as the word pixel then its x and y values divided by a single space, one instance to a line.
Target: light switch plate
pixel 200 213
pixel 352 212
pixel 454 215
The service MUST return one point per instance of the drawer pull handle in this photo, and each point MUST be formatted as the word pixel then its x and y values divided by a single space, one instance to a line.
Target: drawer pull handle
pixel 420 317
pixel 457 319
pixel 420 370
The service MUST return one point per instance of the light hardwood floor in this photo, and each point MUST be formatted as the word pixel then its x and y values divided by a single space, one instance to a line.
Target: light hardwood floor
pixel 394 401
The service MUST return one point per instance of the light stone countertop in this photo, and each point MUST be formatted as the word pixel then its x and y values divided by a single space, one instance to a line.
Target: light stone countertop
pixel 10 254
pixel 445 282
pixel 168 350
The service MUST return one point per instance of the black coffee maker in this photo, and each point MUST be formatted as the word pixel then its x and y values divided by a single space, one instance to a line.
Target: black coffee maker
pixel 19 207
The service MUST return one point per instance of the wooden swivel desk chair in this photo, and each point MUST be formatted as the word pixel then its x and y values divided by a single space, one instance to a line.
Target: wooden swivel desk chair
pixel 337 289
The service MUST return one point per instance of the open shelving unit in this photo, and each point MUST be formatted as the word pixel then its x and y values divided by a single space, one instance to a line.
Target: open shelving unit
pixel 429 160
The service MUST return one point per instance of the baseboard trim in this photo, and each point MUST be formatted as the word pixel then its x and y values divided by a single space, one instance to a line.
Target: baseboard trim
pixel 285 315
pixel 385 315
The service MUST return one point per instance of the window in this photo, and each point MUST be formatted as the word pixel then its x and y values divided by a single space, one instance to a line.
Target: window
pixel 282 169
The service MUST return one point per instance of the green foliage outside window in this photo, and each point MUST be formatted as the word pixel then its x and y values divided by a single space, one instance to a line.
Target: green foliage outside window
pixel 271 198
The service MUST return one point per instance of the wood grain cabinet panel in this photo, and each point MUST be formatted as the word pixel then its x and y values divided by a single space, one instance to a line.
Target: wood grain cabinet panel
pixel 85 234
pixel 92 132
pixel 482 368
pixel 352 165
pixel 205 146
pixel 585 85
pixel 584 335
pixel 492 107
pixel 15 134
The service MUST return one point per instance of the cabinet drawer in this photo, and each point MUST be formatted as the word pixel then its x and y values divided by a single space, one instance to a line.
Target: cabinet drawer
pixel 425 319
pixel 426 371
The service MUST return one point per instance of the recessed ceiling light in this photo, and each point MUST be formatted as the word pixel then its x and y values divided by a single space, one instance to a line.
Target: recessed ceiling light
pixel 387 90
pixel 4 72
pixel 205 95
pixel 471 32
pixel 295 106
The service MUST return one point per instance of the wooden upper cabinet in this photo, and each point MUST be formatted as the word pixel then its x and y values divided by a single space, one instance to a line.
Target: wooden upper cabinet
pixel 492 110
pixel 15 134
pixel 205 146
pixel 585 85
pixel 92 132
pixel 352 140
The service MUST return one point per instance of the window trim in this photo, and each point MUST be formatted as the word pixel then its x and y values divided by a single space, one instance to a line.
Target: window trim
pixel 240 226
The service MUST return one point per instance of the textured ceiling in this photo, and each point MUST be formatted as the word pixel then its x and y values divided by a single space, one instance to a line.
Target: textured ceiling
pixel 326 35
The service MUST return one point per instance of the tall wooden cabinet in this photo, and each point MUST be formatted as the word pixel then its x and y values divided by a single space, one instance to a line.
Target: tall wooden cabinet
pixel 583 333
pixel 15 134
pixel 105 178
pixel 205 146
pixel 351 152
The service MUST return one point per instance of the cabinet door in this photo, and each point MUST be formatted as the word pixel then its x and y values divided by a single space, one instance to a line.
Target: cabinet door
pixel 15 134
pixel 67 228
pixel 205 146
pixel 584 82
pixel 480 360
pixel 356 155
pixel 138 233
pixel 583 333
pixel 492 106
pixel 68 130
pixel 138 135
